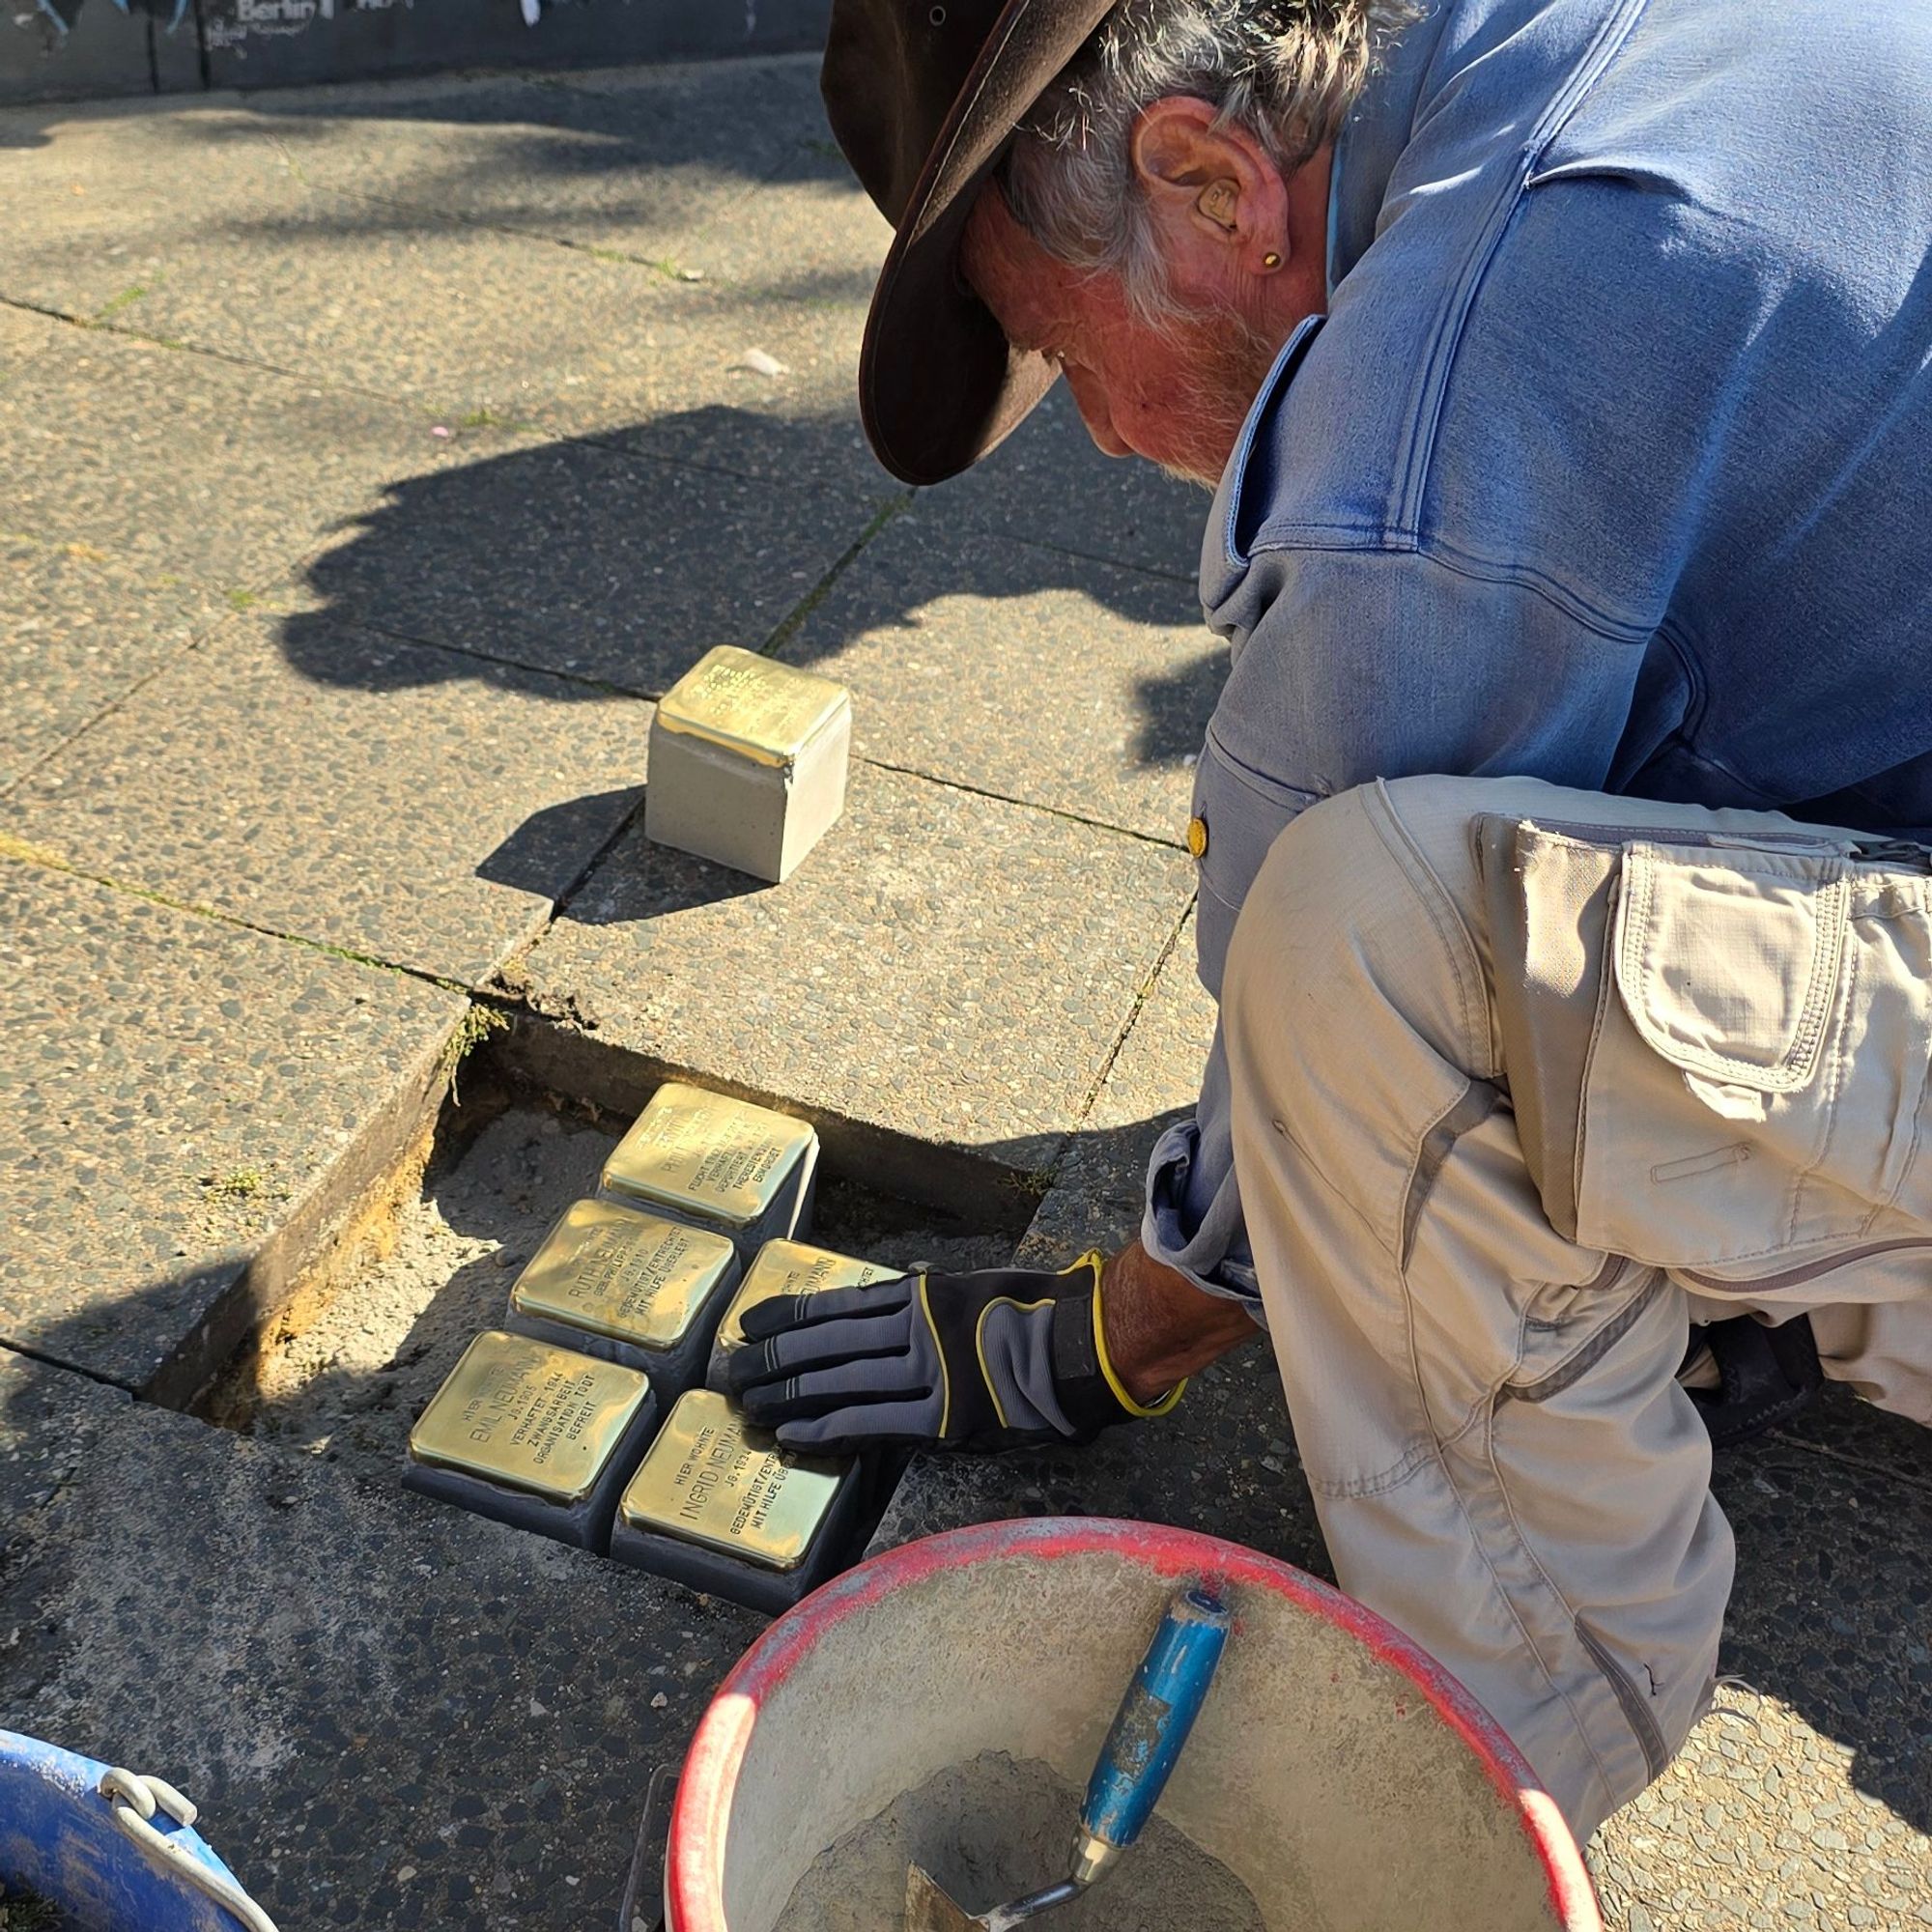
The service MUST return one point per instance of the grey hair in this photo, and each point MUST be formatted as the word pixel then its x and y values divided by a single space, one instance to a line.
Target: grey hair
pixel 1287 70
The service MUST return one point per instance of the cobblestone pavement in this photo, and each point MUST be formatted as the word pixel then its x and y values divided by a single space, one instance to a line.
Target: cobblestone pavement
pixel 372 459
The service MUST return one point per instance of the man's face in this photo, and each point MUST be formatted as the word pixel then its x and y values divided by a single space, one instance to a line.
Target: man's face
pixel 1176 395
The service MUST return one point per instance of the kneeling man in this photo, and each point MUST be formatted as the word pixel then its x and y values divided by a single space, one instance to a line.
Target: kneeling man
pixel 1563 372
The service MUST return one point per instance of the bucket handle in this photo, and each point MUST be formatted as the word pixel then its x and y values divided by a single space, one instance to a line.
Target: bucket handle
pixel 135 1801
pixel 644 1888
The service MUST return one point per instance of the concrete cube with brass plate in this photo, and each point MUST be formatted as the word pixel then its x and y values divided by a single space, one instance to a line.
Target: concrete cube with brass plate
pixel 747 763
pixel 785 1268
pixel 720 1508
pixel 626 1286
pixel 535 1435
pixel 712 1162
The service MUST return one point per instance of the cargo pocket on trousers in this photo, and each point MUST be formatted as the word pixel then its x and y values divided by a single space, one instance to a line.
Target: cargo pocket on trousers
pixel 1748 1089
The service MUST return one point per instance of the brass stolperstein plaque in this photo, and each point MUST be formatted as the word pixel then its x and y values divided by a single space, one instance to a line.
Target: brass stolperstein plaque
pixel 754 706
pixel 528 1416
pixel 619 1272
pixel 707 1480
pixel 793 1268
pixel 707 1154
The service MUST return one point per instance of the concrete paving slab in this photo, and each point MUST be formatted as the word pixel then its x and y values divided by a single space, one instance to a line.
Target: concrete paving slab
pixel 1224 1461
pixel 612 347
pixel 270 261
pixel 789 271
pixel 410 804
pixel 1099 1186
pixel 949 967
pixel 24 334
pixel 1158 1070
pixel 99 194
pixel 191 467
pixel 50 1422
pixel 1021 671
pixel 392 1714
pixel 571 558
pixel 643 162
pixel 262 265
pixel 787 277
pixel 760 379
pixel 336 289
pixel 78 631
pixel 185 1108
pixel 701 400
pixel 1048 484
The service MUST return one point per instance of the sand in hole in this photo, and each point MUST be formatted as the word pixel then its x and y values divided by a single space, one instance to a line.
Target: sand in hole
pixel 996 1829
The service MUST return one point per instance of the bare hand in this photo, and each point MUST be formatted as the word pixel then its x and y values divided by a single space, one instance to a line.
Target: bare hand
pixel 1161 1328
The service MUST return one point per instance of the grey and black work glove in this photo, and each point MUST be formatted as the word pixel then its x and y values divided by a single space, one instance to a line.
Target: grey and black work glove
pixel 991 1360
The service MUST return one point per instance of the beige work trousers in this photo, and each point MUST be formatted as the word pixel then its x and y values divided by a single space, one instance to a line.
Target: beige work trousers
pixel 1523 1080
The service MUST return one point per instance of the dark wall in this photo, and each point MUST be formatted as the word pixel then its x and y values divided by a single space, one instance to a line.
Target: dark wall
pixel 54 49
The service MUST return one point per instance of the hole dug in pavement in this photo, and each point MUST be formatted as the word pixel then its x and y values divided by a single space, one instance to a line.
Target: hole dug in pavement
pixel 350 1362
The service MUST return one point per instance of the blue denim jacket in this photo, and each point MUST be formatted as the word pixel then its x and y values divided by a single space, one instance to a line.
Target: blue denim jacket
pixel 1610 462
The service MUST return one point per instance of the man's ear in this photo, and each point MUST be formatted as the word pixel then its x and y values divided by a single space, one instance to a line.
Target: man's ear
pixel 1214 191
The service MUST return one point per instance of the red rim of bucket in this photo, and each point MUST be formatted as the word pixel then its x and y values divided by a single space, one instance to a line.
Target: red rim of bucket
pixel 694 1855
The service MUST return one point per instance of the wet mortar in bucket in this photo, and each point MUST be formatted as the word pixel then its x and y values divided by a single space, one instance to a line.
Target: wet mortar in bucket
pixel 995 1828
pixel 1334 1773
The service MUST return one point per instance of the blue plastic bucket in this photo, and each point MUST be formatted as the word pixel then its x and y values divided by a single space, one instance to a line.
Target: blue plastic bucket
pixel 61 1839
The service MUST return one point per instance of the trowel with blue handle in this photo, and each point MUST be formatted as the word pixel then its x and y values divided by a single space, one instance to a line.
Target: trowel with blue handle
pixel 1143 1744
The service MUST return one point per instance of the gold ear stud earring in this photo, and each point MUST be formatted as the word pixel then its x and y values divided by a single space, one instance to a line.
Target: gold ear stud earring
pixel 1271 260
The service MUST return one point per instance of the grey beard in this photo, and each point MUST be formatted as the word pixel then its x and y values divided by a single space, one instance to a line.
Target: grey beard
pixel 1221 390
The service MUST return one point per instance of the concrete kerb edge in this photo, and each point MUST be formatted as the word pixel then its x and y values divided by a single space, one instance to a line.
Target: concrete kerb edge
pixel 997 1189
pixel 329 1220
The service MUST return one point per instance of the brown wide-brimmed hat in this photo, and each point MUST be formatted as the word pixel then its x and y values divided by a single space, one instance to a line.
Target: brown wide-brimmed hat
pixel 923 97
